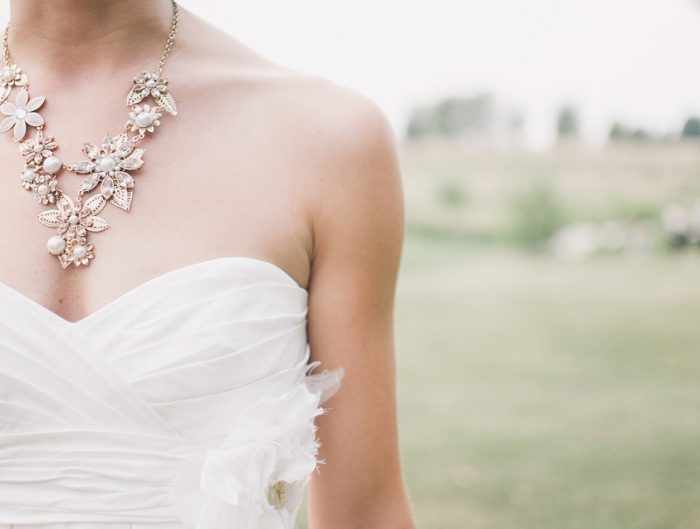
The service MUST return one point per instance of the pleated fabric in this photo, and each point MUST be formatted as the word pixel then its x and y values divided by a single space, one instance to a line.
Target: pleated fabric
pixel 187 402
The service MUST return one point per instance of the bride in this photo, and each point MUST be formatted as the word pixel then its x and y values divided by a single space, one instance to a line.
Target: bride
pixel 197 284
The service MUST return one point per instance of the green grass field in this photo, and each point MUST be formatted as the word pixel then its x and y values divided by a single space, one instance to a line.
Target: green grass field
pixel 543 394
pixel 539 393
pixel 470 194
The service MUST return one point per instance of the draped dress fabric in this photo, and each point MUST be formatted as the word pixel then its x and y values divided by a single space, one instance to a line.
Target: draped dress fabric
pixel 189 401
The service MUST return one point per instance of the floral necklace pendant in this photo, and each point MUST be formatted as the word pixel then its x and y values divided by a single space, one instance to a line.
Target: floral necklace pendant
pixel 107 168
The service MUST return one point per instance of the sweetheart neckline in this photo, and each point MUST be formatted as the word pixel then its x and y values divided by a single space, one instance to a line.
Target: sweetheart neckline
pixel 149 282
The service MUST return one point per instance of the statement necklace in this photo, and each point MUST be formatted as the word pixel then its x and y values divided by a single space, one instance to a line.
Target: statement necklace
pixel 108 165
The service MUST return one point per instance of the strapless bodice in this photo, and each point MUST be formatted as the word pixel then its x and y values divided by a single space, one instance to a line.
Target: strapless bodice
pixel 189 401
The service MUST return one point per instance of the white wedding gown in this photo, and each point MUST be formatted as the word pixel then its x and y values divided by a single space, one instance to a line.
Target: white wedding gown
pixel 187 402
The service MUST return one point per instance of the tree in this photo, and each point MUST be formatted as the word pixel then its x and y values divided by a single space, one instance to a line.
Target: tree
pixel 567 123
pixel 453 117
pixel 691 129
pixel 618 131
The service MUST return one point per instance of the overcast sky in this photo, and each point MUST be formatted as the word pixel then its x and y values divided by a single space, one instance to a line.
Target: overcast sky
pixel 635 60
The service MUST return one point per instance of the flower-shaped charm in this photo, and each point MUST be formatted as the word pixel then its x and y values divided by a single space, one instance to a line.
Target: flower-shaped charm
pixel 45 189
pixel 44 186
pixel 143 119
pixel 37 149
pixel 21 113
pixel 71 221
pixel 11 75
pixel 78 252
pixel 146 84
pixel 72 224
pixel 108 164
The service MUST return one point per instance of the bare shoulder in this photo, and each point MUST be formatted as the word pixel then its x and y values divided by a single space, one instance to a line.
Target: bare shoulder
pixel 308 133
pixel 344 132
pixel 351 166
pixel 339 122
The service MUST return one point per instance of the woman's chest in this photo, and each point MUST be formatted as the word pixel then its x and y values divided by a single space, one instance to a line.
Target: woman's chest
pixel 193 195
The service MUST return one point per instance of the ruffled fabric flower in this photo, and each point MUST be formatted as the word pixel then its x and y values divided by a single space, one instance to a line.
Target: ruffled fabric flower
pixel 257 478
pixel 149 84
pixel 21 113
pixel 108 164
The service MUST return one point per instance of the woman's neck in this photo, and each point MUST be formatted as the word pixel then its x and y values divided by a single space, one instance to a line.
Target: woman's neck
pixel 67 37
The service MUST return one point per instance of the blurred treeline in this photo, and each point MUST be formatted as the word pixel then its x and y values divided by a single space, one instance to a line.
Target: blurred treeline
pixel 471 177
pixel 477 117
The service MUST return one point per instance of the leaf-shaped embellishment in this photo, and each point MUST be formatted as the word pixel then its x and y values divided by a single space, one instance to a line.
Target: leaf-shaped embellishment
pixel 22 99
pixel 122 198
pixel 136 95
pixel 123 145
pixel 8 108
pixel 168 103
pixel 35 103
pixel 90 182
pixel 65 205
pixel 107 188
pixel 64 259
pixel 95 204
pixel 7 123
pixel 124 179
pixel 34 119
pixel 49 218
pixel 84 167
pixel 4 92
pixel 134 160
pixel 91 151
pixel 107 142
pixel 97 224
pixel 20 129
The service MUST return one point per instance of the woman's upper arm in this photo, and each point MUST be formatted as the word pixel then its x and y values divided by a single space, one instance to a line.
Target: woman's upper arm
pixel 358 227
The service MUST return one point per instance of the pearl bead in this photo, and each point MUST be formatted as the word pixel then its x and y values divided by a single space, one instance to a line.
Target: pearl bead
pixel 74 219
pixel 80 251
pixel 43 190
pixel 107 164
pixel 38 147
pixel 29 176
pixel 144 119
pixel 150 83
pixel 56 245
pixel 7 75
pixel 21 113
pixel 52 164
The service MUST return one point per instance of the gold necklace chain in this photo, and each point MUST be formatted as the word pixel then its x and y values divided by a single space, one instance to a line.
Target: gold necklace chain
pixel 171 38
pixel 108 165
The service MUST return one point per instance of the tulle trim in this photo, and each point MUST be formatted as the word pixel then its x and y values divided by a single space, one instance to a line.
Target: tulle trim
pixel 326 383
pixel 256 478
